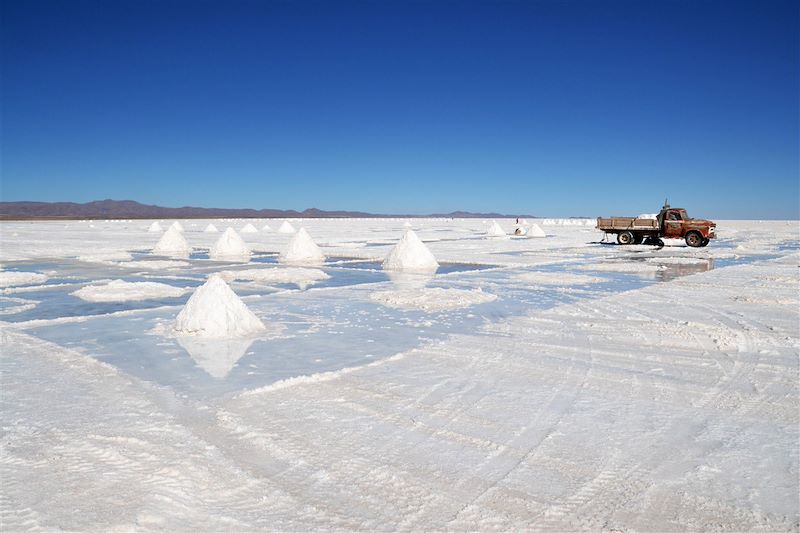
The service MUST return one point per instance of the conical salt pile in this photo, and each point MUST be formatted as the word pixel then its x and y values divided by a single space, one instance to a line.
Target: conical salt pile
pixel 172 244
pixel 407 224
pixel 302 249
pixel 410 254
pixel 155 227
pixel 266 228
pixel 249 228
pixel 286 227
pixel 495 230
pixel 177 225
pixel 211 228
pixel 536 231
pixel 230 246
pixel 214 311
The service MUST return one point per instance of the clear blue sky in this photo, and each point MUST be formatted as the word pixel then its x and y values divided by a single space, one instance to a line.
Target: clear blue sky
pixel 547 108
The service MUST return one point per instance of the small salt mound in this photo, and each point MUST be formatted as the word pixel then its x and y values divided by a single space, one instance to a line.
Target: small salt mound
pixel 155 227
pixel 407 224
pixel 266 228
pixel 433 299
pixel 495 230
pixel 211 228
pixel 286 227
pixel 173 244
pixel 214 311
pixel 302 249
pixel 536 231
pixel 177 225
pixel 249 228
pixel 410 254
pixel 124 291
pixel 230 246
pixel 649 216
pixel 15 279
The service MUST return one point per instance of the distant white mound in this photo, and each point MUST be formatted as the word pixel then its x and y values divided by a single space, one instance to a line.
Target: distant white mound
pixel 155 227
pixel 286 227
pixel 410 254
pixel 407 224
pixel 172 244
pixel 266 228
pixel 249 228
pixel 649 216
pixel 230 246
pixel 211 228
pixel 214 311
pixel 302 249
pixel 124 291
pixel 177 225
pixel 536 231
pixel 495 230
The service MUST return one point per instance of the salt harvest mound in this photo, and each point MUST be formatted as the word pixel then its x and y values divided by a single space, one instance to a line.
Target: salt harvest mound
pixel 230 246
pixel 536 231
pixel 214 311
pixel 249 228
pixel 172 243
pixel 495 230
pixel 177 225
pixel 155 227
pixel 266 228
pixel 211 228
pixel 410 254
pixel 302 249
pixel 286 227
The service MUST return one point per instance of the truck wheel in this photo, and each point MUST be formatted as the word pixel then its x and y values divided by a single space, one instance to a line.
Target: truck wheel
pixel 625 237
pixel 705 242
pixel 694 239
pixel 638 238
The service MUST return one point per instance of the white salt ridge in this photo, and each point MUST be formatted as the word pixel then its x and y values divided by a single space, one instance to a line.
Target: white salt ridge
pixel 495 230
pixel 153 265
pixel 302 249
pixel 211 228
pixel 536 231
pixel 15 279
pixel 249 228
pixel 215 311
pixel 155 227
pixel 124 291
pixel 302 277
pixel 230 246
pixel 105 257
pixel 173 244
pixel 556 278
pixel 410 254
pixel 177 225
pixel 431 299
pixel 286 227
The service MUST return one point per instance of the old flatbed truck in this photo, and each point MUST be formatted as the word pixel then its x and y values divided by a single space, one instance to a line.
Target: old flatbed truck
pixel 670 223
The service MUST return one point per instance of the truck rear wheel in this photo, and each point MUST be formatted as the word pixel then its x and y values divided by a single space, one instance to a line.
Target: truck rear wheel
pixel 638 238
pixel 625 237
pixel 694 239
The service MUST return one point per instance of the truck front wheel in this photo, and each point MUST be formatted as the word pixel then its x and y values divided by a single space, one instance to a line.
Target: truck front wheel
pixel 694 239
pixel 625 237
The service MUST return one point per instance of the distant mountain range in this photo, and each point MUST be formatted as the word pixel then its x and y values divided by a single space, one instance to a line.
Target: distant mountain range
pixel 115 209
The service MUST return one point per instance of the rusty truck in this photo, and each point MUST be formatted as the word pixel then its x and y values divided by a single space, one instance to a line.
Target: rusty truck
pixel 670 223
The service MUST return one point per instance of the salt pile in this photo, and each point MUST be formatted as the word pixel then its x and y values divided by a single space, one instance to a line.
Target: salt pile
pixel 410 254
pixel 495 230
pixel 211 228
pixel 177 225
pixel 286 227
pixel 124 291
pixel 249 228
pixel 536 231
pixel 172 243
pixel 266 228
pixel 230 246
pixel 302 249
pixel 214 311
pixel 407 224
pixel 155 227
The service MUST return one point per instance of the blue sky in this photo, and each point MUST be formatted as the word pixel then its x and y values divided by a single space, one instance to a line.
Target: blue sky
pixel 545 108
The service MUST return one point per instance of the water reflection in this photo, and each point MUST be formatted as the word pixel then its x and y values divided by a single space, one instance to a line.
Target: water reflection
pixel 410 280
pixel 216 356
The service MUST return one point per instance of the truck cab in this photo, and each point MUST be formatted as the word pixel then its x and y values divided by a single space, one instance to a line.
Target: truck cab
pixel 675 223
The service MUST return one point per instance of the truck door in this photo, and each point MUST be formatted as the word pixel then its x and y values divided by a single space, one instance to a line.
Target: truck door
pixel 673 225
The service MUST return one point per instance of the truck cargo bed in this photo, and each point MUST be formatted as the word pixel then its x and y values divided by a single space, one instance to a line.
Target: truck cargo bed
pixel 627 223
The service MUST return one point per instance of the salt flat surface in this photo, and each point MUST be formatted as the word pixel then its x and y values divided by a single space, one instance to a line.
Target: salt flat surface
pixel 550 384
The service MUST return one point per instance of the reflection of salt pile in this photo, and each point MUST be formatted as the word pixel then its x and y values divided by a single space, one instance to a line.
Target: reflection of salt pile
pixel 211 228
pixel 216 356
pixel 214 311
pixel 410 254
pixel 155 227
pixel 177 225
pixel 495 230
pixel 249 228
pixel 172 244
pixel 302 249
pixel 286 227
pixel 536 231
pixel 230 246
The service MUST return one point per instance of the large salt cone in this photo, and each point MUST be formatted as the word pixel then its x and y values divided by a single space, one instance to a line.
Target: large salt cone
pixel 536 231
pixel 155 227
pixel 495 230
pixel 249 228
pixel 172 244
pixel 230 247
pixel 211 228
pixel 410 254
pixel 302 249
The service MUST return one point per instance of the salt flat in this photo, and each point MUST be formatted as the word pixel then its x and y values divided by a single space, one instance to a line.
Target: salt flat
pixel 551 383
